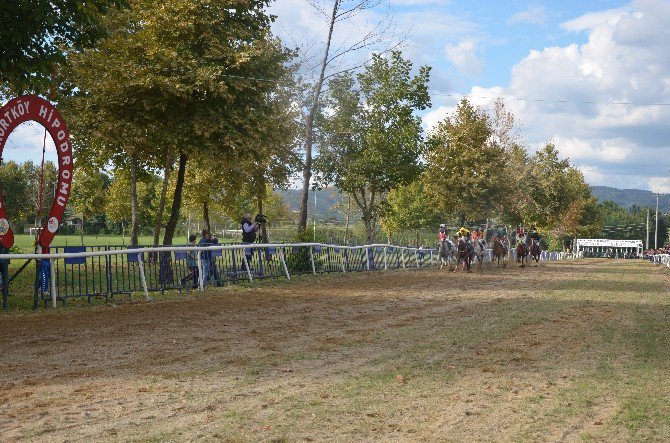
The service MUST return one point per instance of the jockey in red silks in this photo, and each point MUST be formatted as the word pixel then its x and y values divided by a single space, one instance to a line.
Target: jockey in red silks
pixel 521 232
pixel 442 235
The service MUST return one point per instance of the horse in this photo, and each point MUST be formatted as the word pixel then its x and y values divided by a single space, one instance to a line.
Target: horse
pixel 480 251
pixel 535 251
pixel 463 254
pixel 445 252
pixel 521 253
pixel 499 251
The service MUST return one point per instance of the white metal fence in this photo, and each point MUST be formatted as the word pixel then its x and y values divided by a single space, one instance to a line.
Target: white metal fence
pixel 106 271
pixel 661 259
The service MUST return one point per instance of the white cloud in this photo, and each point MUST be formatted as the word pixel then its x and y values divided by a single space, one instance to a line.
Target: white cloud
pixel 435 116
pixel 598 100
pixel 607 151
pixel 464 56
pixel 534 15
pixel 592 20
pixel 659 184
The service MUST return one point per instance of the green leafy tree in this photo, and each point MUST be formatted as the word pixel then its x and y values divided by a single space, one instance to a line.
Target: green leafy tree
pixel 118 207
pixel 373 140
pixel 15 187
pixel 36 35
pixel 409 208
pixel 559 201
pixel 89 193
pixel 466 167
pixel 180 75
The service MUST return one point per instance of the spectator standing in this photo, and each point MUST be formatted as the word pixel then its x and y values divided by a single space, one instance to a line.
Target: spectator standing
pixel 249 230
pixel 205 256
pixel 191 263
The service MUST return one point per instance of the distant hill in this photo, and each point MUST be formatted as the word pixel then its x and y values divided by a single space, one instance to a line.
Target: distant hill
pixel 630 197
pixel 326 201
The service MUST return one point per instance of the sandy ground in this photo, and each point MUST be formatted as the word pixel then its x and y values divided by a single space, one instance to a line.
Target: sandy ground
pixel 402 355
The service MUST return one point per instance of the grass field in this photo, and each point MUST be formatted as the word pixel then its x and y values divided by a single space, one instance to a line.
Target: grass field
pixel 565 351
pixel 25 242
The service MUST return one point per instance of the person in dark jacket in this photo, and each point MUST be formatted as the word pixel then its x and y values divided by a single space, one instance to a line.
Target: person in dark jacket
pixel 205 240
pixel 249 230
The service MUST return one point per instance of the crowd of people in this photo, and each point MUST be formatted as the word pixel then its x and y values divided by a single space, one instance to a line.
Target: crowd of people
pixel 659 251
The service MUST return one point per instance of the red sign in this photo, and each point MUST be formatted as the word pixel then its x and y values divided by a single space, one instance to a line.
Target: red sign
pixel 23 109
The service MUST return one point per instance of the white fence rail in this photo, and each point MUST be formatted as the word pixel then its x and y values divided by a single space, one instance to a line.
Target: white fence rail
pixel 106 271
pixel 661 259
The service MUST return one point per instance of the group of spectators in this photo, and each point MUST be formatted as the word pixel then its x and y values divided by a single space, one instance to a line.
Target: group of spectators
pixel 660 251
pixel 209 270
pixel 208 263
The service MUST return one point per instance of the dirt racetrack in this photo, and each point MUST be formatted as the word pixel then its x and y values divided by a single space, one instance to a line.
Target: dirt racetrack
pixel 564 351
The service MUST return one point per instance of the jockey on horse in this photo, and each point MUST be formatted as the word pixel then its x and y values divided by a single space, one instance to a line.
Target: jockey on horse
pixel 535 249
pixel 446 247
pixel 521 247
pixel 479 244
pixel 499 247
pixel 464 250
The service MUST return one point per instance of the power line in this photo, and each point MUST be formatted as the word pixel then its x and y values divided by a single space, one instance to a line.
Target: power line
pixel 546 100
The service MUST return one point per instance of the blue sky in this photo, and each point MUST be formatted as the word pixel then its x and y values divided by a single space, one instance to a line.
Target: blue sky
pixel 602 51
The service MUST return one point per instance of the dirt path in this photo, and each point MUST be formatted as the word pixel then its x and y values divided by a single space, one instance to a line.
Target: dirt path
pixel 405 355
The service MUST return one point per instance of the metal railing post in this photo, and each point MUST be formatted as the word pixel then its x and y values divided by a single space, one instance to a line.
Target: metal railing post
pixel 344 267
pixel 311 257
pixel 416 256
pixel 386 263
pixel 367 257
pixel 144 280
pixel 52 275
pixel 201 278
pixel 402 257
pixel 283 260
pixel 246 265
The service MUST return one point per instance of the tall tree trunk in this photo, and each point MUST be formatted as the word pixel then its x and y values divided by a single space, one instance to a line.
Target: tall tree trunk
pixel 134 218
pixel 417 237
pixel 161 204
pixel 176 201
pixel 486 229
pixel 369 229
pixel 462 218
pixel 309 124
pixel 346 229
pixel 263 231
pixel 205 216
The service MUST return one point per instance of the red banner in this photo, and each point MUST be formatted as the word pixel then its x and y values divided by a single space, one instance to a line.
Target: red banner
pixel 23 109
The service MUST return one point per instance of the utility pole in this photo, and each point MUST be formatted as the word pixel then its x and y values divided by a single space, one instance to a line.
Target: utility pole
pixel 656 229
pixel 646 247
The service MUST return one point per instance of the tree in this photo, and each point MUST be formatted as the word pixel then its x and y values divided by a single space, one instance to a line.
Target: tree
pixel 466 169
pixel 179 75
pixel 118 207
pixel 89 193
pixel 15 187
pixel 342 11
pixel 559 202
pixel 373 139
pixel 35 36
pixel 409 208
pixel 271 156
